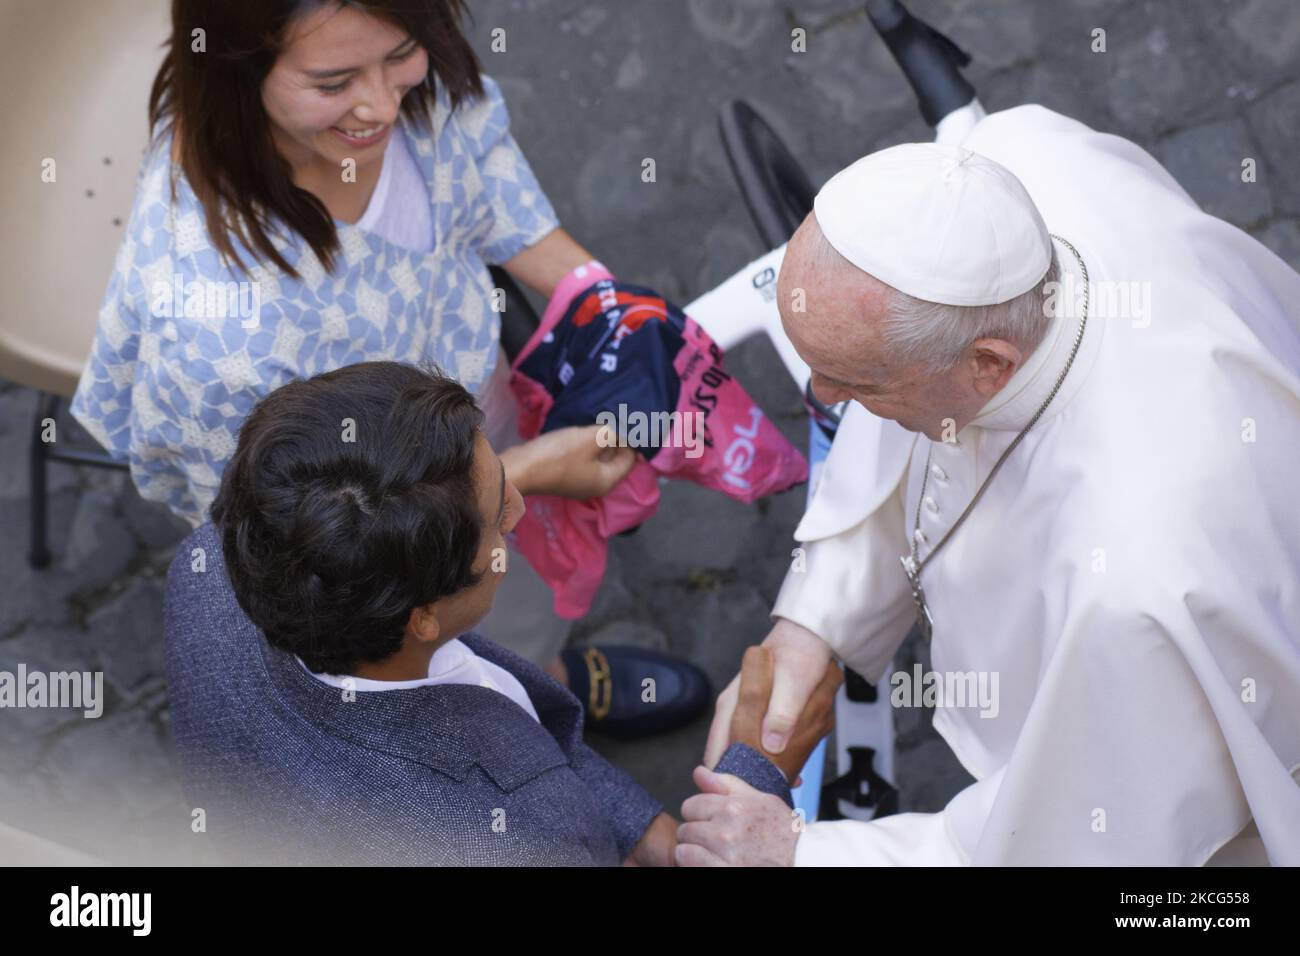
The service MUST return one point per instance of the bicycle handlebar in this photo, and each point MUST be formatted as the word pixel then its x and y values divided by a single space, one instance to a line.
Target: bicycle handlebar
pixel 930 60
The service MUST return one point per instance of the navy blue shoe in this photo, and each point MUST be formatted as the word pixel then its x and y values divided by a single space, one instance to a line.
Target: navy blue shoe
pixel 630 692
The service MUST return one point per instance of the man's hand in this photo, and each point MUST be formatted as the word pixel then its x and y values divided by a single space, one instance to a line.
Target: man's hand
pixel 814 723
pixel 799 659
pixel 657 844
pixel 731 824
pixel 579 462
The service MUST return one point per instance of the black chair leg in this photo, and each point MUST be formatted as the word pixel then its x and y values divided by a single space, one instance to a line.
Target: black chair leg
pixel 39 555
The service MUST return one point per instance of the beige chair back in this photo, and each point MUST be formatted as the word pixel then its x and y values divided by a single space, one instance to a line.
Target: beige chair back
pixel 74 90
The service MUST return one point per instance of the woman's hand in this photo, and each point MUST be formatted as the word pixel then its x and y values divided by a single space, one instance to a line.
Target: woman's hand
pixel 578 462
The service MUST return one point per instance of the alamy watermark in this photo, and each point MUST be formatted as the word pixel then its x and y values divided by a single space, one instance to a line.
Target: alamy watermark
pixel 631 428
pixel 76 690
pixel 1106 299
pixel 922 688
pixel 132 911
pixel 205 299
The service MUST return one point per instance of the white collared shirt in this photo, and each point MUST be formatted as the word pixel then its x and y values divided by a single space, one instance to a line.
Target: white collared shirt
pixel 453 663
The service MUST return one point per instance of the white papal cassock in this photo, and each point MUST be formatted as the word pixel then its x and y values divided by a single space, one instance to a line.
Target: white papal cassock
pixel 1132 574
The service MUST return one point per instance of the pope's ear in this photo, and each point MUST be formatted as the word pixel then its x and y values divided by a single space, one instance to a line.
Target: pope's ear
pixel 423 623
pixel 993 362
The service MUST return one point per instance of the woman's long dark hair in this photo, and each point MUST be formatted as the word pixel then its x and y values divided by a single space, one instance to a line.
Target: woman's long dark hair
pixel 212 102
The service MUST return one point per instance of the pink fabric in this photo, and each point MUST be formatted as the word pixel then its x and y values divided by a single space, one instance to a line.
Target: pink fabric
pixel 566 541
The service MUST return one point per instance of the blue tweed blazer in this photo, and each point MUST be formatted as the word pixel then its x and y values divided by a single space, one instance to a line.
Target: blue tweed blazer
pixel 287 771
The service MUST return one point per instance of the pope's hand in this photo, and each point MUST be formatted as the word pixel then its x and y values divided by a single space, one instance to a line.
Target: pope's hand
pixel 816 721
pixel 731 824
pixel 799 662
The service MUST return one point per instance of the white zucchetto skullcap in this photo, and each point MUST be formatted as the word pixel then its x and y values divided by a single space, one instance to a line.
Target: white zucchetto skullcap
pixel 940 223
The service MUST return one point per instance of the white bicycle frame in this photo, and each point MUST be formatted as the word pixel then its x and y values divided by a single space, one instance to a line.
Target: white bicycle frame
pixel 744 306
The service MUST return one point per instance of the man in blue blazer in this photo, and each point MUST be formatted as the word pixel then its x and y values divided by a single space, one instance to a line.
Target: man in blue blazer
pixel 329 700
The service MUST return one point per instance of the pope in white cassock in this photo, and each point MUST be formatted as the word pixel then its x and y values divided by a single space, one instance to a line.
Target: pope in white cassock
pixel 1074 454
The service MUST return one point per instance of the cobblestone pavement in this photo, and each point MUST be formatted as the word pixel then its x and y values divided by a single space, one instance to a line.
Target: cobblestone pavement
pixel 1201 84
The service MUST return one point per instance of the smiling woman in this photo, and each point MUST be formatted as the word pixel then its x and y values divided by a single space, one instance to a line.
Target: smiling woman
pixel 267 103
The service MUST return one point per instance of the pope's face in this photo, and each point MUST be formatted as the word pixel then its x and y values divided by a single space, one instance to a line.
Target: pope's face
pixel 835 325
pixel 336 87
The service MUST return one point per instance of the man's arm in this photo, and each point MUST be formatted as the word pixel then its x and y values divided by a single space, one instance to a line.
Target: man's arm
pixel 627 806
pixel 746 763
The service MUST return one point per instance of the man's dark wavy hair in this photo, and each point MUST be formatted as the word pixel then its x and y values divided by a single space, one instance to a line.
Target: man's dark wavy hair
pixel 331 543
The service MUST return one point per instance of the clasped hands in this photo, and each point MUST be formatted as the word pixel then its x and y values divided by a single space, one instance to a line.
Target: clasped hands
pixel 784 697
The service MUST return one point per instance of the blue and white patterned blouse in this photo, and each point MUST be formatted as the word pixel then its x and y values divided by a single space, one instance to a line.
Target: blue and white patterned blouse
pixel 180 358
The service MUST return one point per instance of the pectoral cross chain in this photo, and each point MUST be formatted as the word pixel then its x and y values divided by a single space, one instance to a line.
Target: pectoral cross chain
pixel 923 620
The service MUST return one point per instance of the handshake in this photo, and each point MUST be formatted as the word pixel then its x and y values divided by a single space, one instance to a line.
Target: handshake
pixel 781 705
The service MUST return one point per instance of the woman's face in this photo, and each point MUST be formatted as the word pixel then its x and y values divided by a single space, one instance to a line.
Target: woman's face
pixel 335 89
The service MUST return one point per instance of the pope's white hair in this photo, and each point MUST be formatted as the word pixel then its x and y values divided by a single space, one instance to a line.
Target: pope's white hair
pixel 935 335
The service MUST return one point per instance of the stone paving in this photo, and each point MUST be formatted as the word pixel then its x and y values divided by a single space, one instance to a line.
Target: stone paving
pixel 593 88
